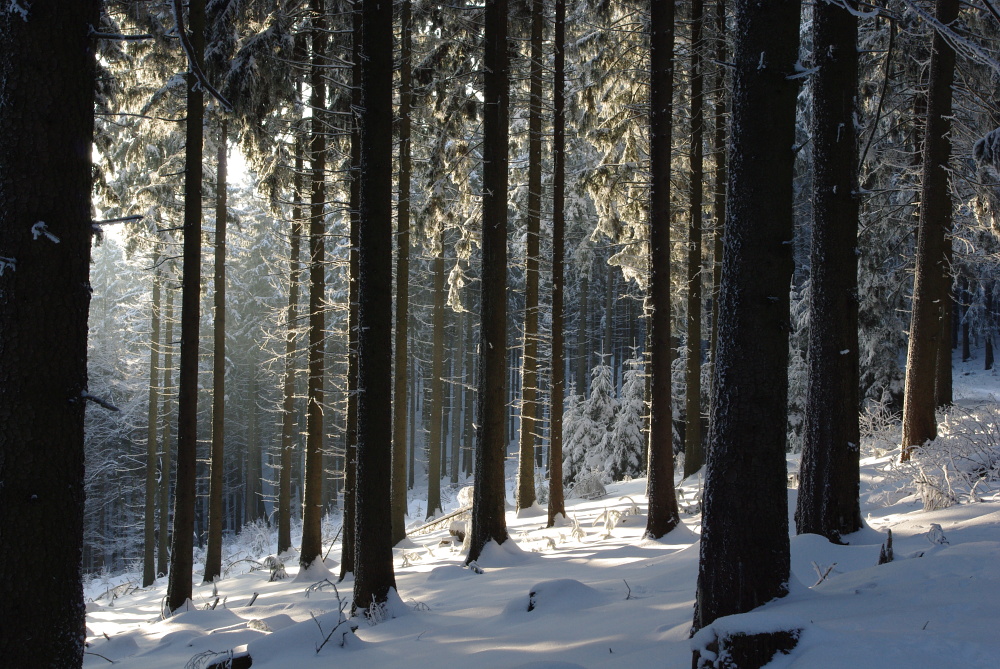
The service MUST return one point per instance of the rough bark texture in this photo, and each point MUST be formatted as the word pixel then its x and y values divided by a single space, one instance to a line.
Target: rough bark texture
pixel 46 111
pixel 557 504
pixel 182 539
pixel 927 313
pixel 373 576
pixel 693 452
pixel 663 513
pixel 402 280
pixel 312 502
pixel 488 521
pixel 213 555
pixel 744 542
pixel 152 432
pixel 721 174
pixel 529 361
pixel 829 474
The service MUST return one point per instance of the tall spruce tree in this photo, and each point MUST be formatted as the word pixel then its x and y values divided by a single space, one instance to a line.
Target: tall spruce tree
pixel 47 111
pixel 829 476
pixel 744 543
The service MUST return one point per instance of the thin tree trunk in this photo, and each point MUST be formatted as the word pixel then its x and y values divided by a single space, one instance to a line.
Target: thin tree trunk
pixel 488 520
pixel 348 548
pixel 963 309
pixel 663 513
pixel 373 565
pixel 582 347
pixel 926 321
pixel 163 553
pixel 829 474
pixel 693 454
pixel 437 371
pixel 989 326
pixel 182 547
pixel 312 503
pixel 402 280
pixel 288 405
pixel 557 504
pixel 213 556
pixel 529 361
pixel 744 545
pixel 47 115
pixel 457 360
pixel 152 431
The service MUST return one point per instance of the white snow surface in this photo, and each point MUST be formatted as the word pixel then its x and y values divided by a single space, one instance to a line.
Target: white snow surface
pixel 603 599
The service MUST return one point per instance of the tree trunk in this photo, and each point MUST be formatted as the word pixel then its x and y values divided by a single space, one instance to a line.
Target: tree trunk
pixel 47 113
pixel 312 502
pixel 152 431
pixel 373 564
pixel 744 545
pixel 557 504
pixel 926 321
pixel 529 360
pixel 288 405
pixel 663 513
pixel 213 556
pixel 399 501
pixel 829 474
pixel 488 520
pixel 457 360
pixel 582 345
pixel 348 548
pixel 693 455
pixel 434 445
pixel 182 547
pixel 162 550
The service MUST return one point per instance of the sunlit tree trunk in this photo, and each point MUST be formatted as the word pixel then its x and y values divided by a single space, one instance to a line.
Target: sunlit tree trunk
pixel 152 431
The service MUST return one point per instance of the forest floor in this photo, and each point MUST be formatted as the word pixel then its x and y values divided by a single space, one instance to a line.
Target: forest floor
pixel 604 597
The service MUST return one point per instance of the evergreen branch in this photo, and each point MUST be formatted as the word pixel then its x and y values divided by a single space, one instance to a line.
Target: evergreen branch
pixel 196 70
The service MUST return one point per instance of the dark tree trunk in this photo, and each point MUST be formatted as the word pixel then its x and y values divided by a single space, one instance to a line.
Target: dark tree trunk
pixel 348 548
pixel 182 544
pixel 529 361
pixel 373 564
pixel 47 113
pixel 312 503
pixel 927 313
pixel 557 504
pixel 213 555
pixel 162 548
pixel 663 513
pixel 152 431
pixel 693 455
pixel 744 542
pixel 434 441
pixel 402 280
pixel 288 405
pixel 488 520
pixel 829 474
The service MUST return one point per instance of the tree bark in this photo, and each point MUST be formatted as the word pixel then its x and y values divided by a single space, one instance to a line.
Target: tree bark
pixel 721 175
pixel 373 532
pixel 434 441
pixel 213 555
pixel 152 431
pixel 162 549
pixel 488 520
pixel 182 545
pixel 829 473
pixel 927 313
pixel 399 500
pixel 47 113
pixel 557 504
pixel 693 453
pixel 312 502
pixel 663 513
pixel 744 545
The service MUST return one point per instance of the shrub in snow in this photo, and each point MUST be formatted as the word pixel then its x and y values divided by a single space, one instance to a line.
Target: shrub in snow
pixel 624 444
pixel 588 486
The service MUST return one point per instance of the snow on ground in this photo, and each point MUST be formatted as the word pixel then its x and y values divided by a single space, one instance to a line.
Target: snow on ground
pixel 601 596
